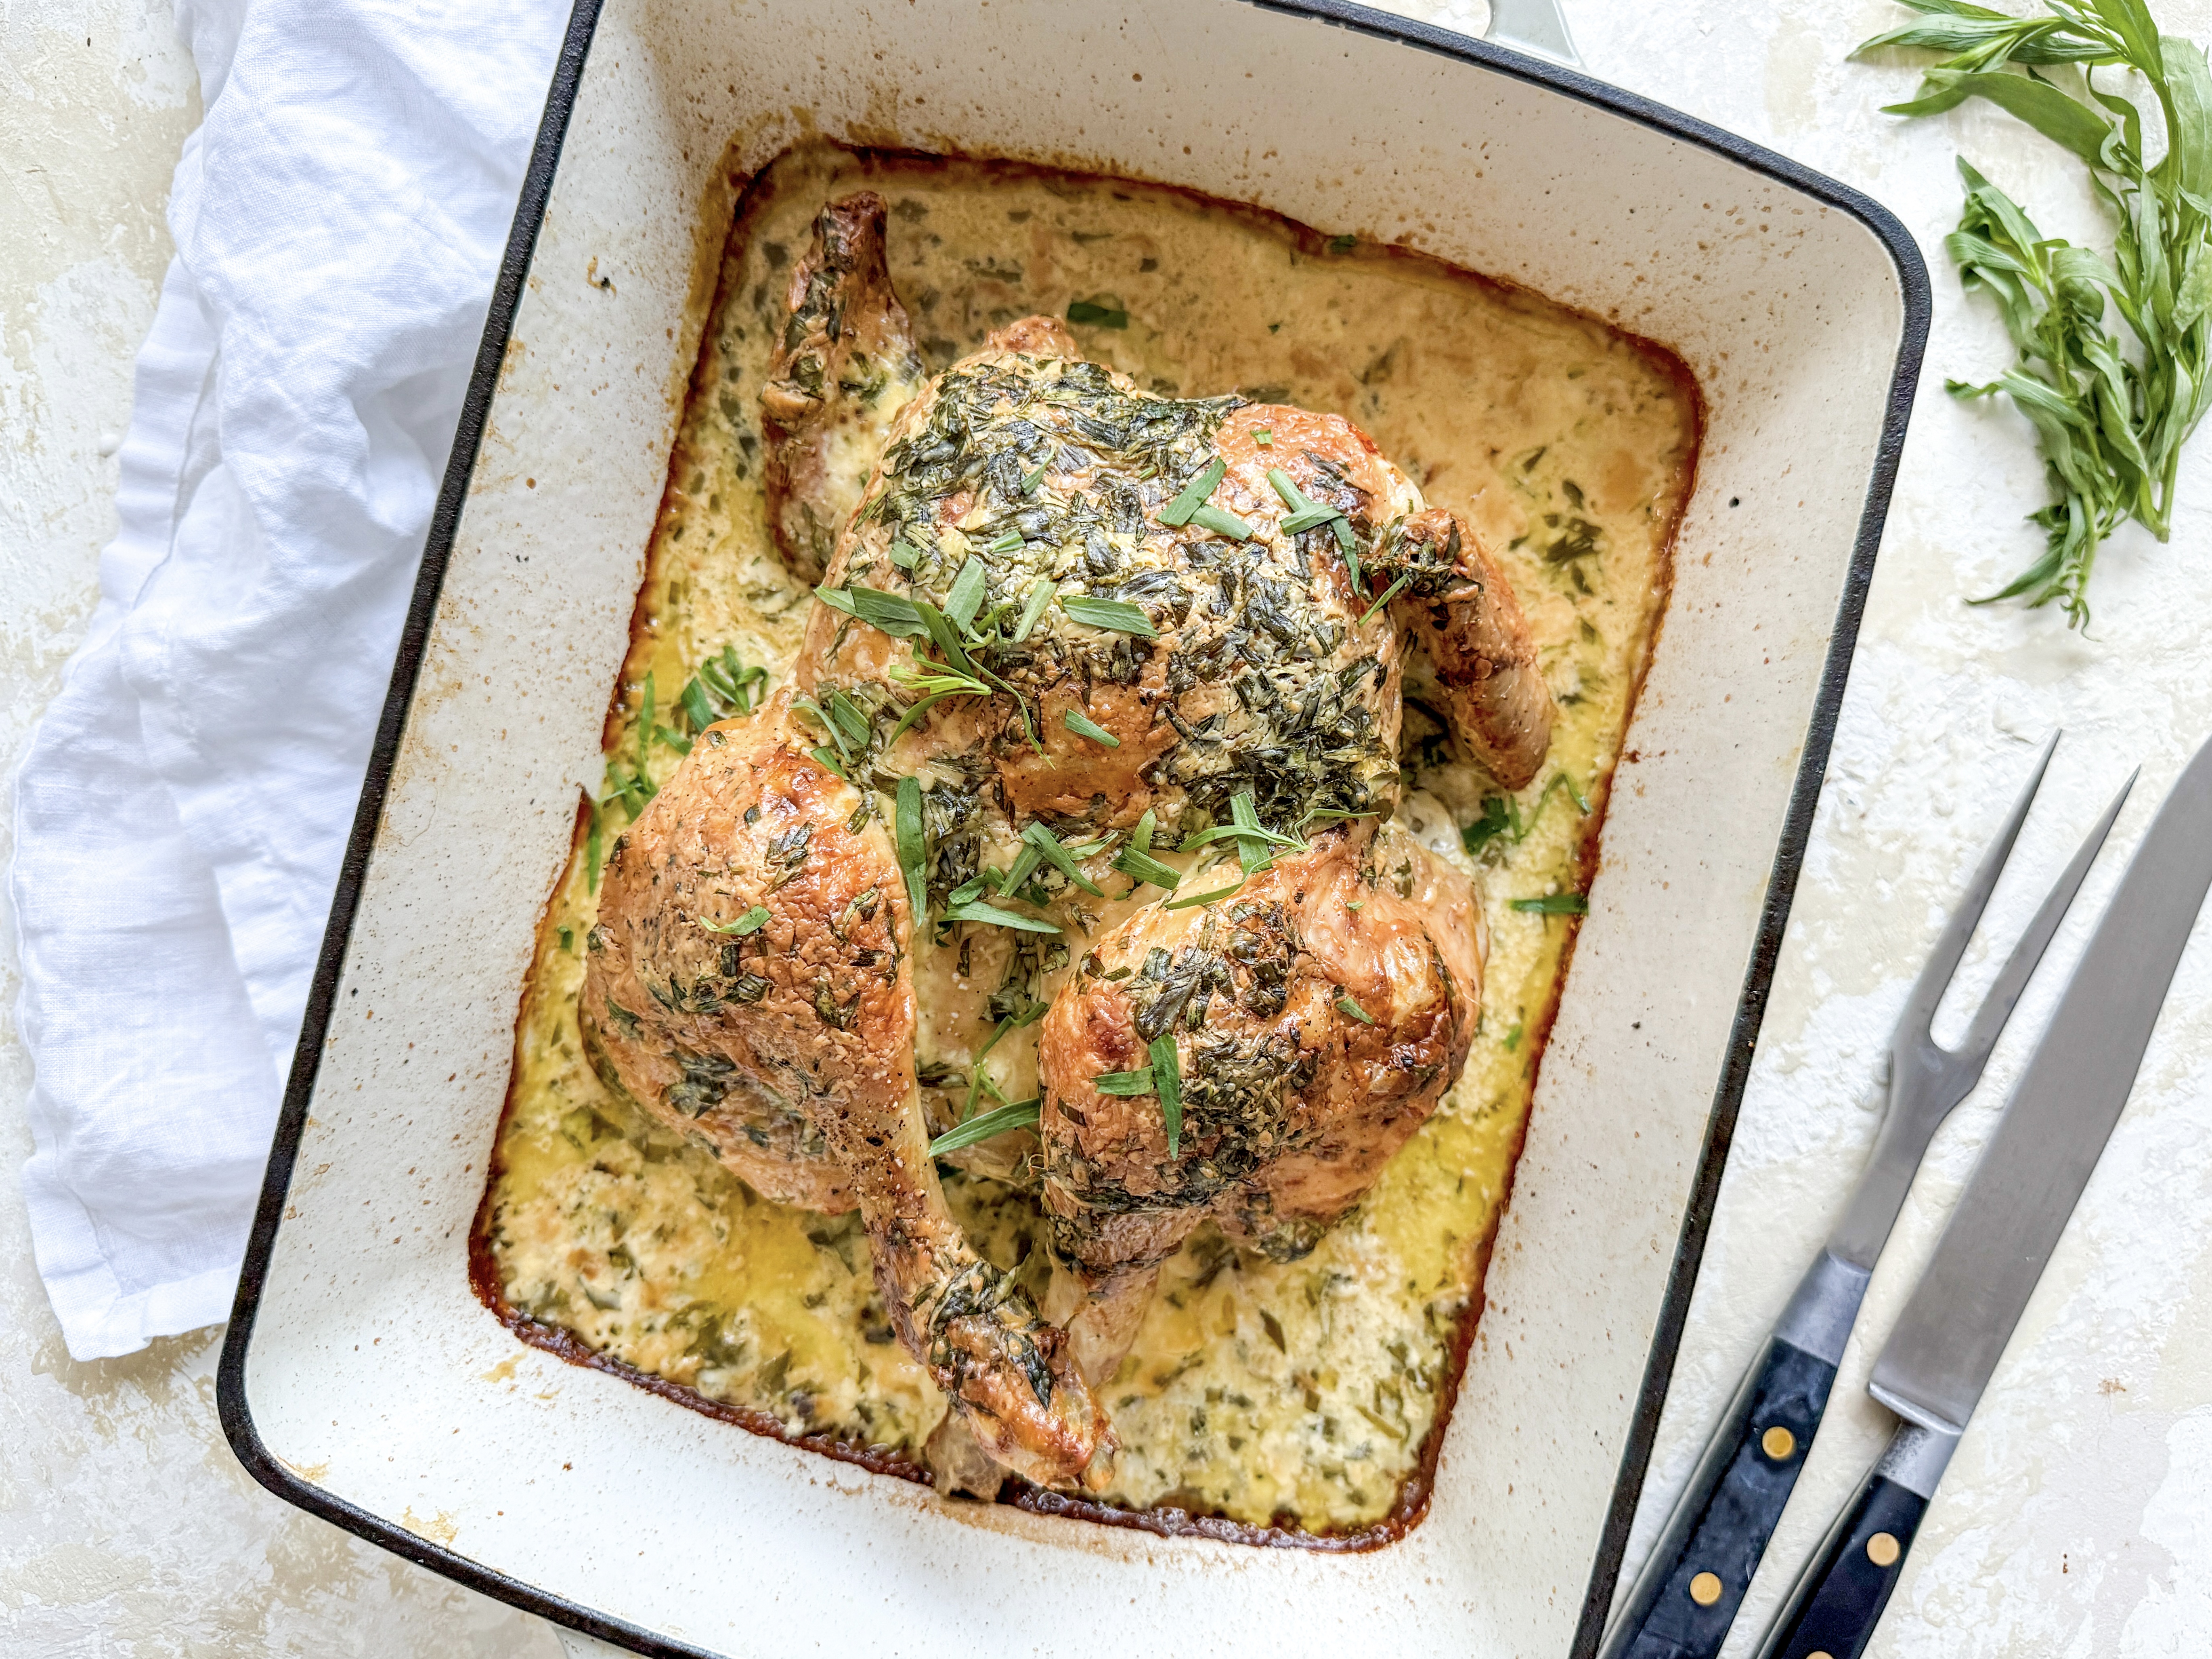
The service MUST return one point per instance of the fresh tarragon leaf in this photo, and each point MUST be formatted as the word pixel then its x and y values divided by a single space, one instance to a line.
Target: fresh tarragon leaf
pixel 1022 1114
pixel 1167 1083
pixel 966 595
pixel 976 910
pixel 1049 849
pixel 1189 899
pixel 1554 905
pixel 1084 727
pixel 2110 417
pixel 1098 314
pixel 912 847
pixel 1178 512
pixel 751 922
pixel 1115 615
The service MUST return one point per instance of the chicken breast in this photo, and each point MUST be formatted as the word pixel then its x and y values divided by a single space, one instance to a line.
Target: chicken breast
pixel 1317 1015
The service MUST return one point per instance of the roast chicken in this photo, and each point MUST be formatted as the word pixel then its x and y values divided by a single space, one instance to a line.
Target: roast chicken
pixel 1067 630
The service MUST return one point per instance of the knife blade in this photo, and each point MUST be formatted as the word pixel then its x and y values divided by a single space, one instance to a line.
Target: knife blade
pixel 1946 1344
pixel 1684 1599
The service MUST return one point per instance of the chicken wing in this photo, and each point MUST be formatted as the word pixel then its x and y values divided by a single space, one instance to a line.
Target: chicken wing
pixel 844 369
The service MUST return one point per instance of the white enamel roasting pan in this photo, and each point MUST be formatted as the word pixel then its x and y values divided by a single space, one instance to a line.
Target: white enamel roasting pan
pixel 362 1379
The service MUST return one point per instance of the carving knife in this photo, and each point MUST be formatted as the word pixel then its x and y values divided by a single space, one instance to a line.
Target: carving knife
pixel 1939 1358
pixel 1686 1596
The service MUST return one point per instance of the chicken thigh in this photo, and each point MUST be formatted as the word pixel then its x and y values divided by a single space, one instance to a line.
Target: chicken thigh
pixel 748 981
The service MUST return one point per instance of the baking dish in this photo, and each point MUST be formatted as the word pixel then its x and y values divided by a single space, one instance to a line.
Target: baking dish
pixel 362 1380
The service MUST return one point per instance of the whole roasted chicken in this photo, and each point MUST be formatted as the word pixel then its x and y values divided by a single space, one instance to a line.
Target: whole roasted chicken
pixel 1094 729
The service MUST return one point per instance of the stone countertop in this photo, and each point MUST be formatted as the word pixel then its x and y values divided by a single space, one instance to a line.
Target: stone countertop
pixel 2073 1520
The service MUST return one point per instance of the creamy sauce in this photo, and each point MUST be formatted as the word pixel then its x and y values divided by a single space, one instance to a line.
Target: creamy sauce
pixel 1305 1395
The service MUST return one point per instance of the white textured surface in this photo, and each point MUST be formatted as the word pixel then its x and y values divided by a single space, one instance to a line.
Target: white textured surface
pixel 2074 1519
pixel 126 1527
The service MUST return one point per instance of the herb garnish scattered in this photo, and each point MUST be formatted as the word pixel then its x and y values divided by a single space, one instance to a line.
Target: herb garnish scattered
pixel 1115 616
pixel 913 849
pixel 1554 905
pixel 1022 1114
pixel 594 846
pixel 1222 522
pixel 1342 244
pixel 935 689
pixel 1178 512
pixel 1079 723
pixel 751 922
pixel 2109 422
pixel 1167 1082
pixel 1352 1010
pixel 976 910
pixel 1253 841
pixel 898 616
pixel 966 596
pixel 1136 860
pixel 1097 313
pixel 1189 899
pixel 1502 816
pixel 1388 594
pixel 1049 849
pixel 723 686
pixel 1040 595
pixel 1138 1082
pixel 1305 512
pixel 904 554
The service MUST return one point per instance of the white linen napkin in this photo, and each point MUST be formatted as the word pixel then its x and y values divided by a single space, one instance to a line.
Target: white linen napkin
pixel 339 218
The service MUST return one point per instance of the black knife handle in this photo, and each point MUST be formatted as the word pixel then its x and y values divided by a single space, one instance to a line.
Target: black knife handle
pixel 1694 1580
pixel 1839 1597
pixel 1688 1592
pixel 1840 1601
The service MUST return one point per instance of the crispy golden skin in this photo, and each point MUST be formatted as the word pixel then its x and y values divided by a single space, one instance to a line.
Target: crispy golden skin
pixel 1318 1015
pixel 785 1041
pixel 1457 604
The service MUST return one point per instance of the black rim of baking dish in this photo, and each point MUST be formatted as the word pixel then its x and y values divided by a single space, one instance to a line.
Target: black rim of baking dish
pixel 1750 1007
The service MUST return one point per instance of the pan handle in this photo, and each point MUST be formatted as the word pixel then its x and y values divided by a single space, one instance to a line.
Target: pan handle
pixel 1533 26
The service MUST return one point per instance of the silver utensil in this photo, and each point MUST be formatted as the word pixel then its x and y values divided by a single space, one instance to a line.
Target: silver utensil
pixel 1939 1357
pixel 1687 1595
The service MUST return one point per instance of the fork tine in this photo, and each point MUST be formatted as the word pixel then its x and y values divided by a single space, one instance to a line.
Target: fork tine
pixel 1913 1024
pixel 1982 1035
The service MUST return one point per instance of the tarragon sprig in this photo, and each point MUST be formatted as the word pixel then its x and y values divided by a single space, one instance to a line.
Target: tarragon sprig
pixel 2110 422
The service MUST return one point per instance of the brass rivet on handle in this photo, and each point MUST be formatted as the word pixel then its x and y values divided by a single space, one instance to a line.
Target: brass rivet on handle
pixel 1706 1589
pixel 1777 1443
pixel 1882 1550
pixel 1819 1653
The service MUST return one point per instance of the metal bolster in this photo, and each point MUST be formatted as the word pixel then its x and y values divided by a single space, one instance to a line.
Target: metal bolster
pixel 1819 1317
pixel 1916 1456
